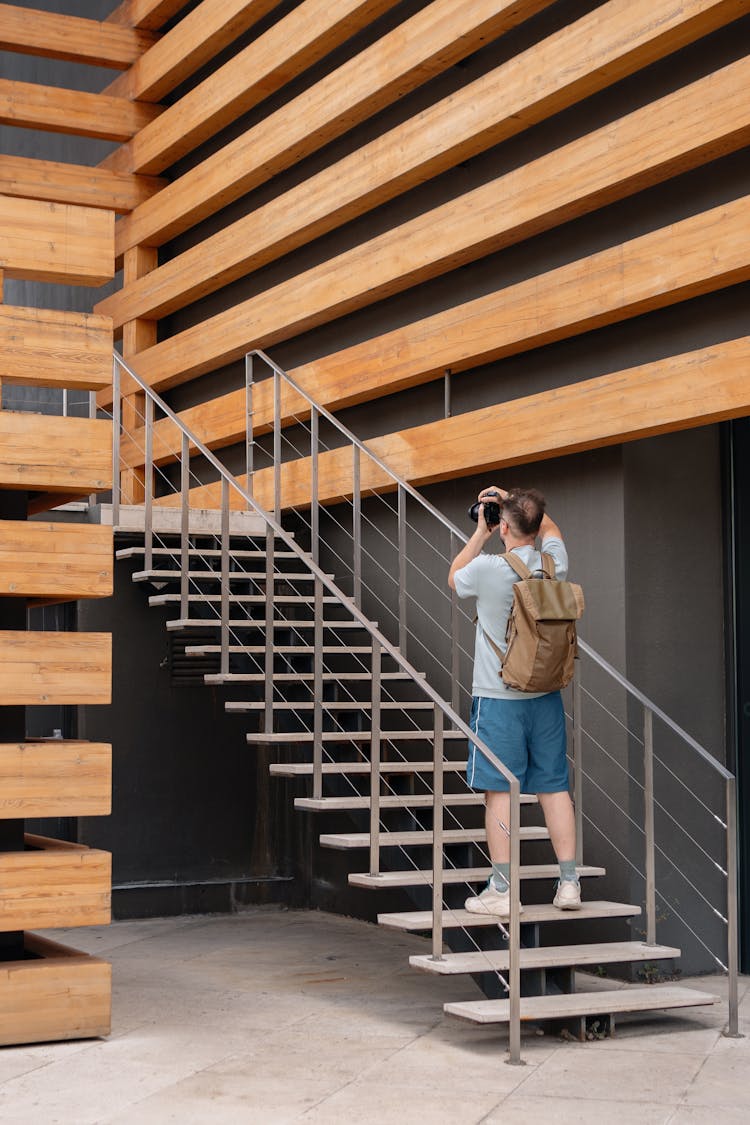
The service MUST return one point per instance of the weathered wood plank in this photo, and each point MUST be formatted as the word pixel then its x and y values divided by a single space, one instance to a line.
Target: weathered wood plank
pixel 693 389
pixel 615 40
pixel 149 14
pixel 205 31
pixel 75 183
pixel 47 453
pixel 705 252
pixel 48 348
pixel 695 124
pixel 53 560
pixel 54 883
pixel 55 778
pixel 55 993
pixel 50 35
pixel 304 36
pixel 56 242
pixel 55 668
pixel 57 110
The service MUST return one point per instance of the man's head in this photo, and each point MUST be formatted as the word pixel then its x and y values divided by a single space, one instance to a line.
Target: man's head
pixel 522 511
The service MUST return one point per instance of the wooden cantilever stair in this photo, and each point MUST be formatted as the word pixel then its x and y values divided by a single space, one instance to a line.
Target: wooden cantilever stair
pixel 406 802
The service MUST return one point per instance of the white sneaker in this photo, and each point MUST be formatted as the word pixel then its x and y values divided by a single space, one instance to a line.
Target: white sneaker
pixel 490 901
pixel 568 895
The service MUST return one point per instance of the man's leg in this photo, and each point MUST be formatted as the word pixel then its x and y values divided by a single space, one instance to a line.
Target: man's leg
pixel 560 820
pixel 497 820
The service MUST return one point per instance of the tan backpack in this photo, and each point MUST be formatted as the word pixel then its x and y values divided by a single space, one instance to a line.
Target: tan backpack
pixel 541 633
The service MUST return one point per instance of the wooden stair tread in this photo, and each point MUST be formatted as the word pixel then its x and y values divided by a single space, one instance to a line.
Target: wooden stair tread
pixel 419 837
pixel 631 998
pixel 387 880
pixel 305 769
pixel 417 920
pixel 398 801
pixel 552 956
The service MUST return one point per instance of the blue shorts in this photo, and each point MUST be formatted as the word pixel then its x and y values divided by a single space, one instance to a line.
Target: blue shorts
pixel 527 735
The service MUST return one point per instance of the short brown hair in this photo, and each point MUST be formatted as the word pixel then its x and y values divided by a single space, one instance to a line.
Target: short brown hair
pixel 523 509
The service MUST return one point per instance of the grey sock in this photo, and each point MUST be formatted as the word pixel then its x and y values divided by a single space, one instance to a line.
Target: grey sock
pixel 500 877
pixel 568 871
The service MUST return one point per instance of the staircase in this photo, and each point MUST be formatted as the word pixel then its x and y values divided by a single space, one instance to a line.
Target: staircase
pixel 379 740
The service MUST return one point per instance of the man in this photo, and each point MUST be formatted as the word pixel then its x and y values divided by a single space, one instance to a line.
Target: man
pixel 526 731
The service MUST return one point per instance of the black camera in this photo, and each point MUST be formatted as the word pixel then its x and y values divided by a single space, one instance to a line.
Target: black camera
pixel 491 511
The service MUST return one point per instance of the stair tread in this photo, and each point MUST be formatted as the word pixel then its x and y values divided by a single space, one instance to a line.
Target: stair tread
pixel 552 956
pixel 248 623
pixel 330 705
pixel 200 552
pixel 241 599
pixel 305 769
pixel 215 575
pixel 399 801
pixel 352 736
pixel 299 677
pixel 453 919
pixel 411 878
pixel 419 837
pixel 300 650
pixel 630 998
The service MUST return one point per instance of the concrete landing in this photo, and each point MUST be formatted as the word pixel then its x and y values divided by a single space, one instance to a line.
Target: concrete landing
pixel 270 1016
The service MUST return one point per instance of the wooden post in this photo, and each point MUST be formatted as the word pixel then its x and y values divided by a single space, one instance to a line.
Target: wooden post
pixel 136 336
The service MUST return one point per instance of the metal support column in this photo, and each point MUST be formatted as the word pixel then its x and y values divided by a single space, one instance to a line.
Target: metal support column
pixel 375 760
pixel 732 1029
pixel 318 691
pixel 185 526
pixel 249 436
pixel 437 836
pixel 455 638
pixel 514 927
pixel 224 668
pixel 648 824
pixel 314 501
pixel 277 446
pixel 356 528
pixel 116 419
pixel 269 632
pixel 578 763
pixel 148 481
pixel 402 629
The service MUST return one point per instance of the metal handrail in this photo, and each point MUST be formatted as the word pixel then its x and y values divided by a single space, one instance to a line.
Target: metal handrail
pixel 442 707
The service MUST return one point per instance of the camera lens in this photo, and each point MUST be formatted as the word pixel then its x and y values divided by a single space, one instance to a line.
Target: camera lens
pixel 491 512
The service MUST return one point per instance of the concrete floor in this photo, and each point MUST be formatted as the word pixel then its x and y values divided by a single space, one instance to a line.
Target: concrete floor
pixel 272 1016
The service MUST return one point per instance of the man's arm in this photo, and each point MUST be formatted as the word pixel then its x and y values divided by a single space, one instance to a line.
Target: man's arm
pixel 548 529
pixel 471 550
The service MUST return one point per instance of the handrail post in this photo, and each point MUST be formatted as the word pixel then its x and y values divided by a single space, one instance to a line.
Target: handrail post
pixel 276 445
pixel 402 630
pixel 224 665
pixel 318 691
pixel 455 623
pixel 438 805
pixel 268 665
pixel 356 528
pixel 148 478
pixel 732 1029
pixel 185 526
pixel 375 759
pixel 314 489
pixel 578 763
pixel 514 927
pixel 116 409
pixel 648 799
pixel 249 432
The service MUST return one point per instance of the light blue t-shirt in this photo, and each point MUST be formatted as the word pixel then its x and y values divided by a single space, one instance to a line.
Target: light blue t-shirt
pixel 490 580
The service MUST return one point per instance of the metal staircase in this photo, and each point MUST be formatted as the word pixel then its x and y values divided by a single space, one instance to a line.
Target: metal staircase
pixel 285 610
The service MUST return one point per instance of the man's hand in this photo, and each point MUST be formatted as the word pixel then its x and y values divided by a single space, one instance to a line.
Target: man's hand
pixel 472 548
pixel 486 493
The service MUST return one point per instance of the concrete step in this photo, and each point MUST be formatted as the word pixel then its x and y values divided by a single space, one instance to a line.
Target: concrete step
pixel 632 998
pixel 387 880
pixel 168 521
pixel 419 838
pixel 549 957
pixel 352 736
pixel 418 920
pixel 336 769
pixel 330 705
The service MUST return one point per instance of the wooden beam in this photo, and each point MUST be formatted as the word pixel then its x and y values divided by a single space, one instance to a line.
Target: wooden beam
pixel 698 123
pixel 196 39
pixel 49 35
pixel 148 14
pixel 56 242
pixel 54 883
pixel 55 560
pixel 75 183
pixel 615 40
pixel 705 252
pixel 304 36
pixel 56 110
pixel 55 777
pixel 47 348
pixel 55 668
pixel 53 993
pixel 48 453
pixel 681 392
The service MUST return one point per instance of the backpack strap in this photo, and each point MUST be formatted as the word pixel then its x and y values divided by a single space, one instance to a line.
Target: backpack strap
pixel 548 565
pixel 516 564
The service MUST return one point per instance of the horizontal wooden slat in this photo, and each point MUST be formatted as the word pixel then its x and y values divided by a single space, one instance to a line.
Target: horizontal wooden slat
pixel 54 993
pixel 48 348
pixel 54 883
pixel 205 31
pixel 150 14
pixel 75 183
pixel 56 242
pixel 693 389
pixel 56 110
pixel 55 777
pixel 699 123
pixel 54 560
pixel 599 49
pixel 48 453
pixel 55 668
pixel 304 36
pixel 49 35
